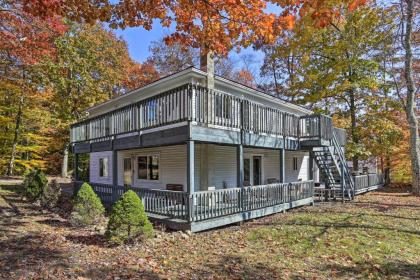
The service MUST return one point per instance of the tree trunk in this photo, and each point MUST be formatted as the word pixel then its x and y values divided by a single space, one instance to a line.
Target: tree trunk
pixel 387 172
pixel 353 129
pixel 65 161
pixel 410 105
pixel 18 122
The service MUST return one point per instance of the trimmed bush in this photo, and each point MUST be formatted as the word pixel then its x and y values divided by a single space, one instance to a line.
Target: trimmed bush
pixel 128 220
pixel 34 183
pixel 51 194
pixel 87 208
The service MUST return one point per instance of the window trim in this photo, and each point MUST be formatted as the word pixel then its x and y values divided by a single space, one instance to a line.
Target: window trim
pixel 104 166
pixel 147 155
pixel 295 163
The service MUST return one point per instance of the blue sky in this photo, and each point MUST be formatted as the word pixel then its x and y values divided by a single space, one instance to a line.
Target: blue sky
pixel 139 39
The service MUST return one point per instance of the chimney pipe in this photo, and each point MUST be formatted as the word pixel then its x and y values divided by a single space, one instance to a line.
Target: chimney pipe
pixel 207 65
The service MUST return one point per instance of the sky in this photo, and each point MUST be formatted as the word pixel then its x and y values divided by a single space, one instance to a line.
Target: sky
pixel 139 39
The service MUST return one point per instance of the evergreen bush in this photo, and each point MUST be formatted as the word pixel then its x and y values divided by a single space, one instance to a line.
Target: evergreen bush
pixel 51 194
pixel 128 220
pixel 87 207
pixel 34 183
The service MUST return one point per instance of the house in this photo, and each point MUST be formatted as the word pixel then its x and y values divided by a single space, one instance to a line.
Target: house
pixel 203 151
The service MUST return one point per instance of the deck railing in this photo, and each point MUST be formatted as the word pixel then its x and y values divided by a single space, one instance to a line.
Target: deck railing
pixel 204 205
pixel 313 127
pixel 204 106
pixel 367 181
pixel 217 203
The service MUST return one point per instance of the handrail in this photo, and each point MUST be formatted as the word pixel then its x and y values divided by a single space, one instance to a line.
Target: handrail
pixel 343 161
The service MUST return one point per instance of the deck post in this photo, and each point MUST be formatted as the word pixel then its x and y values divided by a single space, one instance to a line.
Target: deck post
pixel 282 166
pixel 114 168
pixel 190 166
pixel 342 182
pixel 240 165
pixel 76 166
pixel 311 165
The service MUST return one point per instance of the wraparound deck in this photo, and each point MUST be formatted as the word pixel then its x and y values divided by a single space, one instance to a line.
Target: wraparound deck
pixel 203 210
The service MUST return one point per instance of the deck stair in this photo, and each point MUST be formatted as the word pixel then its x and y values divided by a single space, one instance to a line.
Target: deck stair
pixel 333 168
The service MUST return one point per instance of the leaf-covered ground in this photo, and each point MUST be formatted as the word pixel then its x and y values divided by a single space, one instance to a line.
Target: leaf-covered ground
pixel 377 236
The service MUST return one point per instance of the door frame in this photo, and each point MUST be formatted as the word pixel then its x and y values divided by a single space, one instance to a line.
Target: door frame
pixel 132 169
pixel 251 156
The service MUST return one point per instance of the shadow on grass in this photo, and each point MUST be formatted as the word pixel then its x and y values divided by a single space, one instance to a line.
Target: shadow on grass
pixel 24 254
pixel 236 267
pixel 388 269
pixel 120 272
pixel 92 239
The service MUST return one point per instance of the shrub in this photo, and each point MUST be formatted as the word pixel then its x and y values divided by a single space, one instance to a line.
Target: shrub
pixel 51 194
pixel 34 183
pixel 87 209
pixel 128 220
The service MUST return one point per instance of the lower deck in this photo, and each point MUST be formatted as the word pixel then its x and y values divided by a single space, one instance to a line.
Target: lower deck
pixel 204 210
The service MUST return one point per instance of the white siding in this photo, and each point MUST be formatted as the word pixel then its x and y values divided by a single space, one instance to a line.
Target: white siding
pixel 94 167
pixel 270 162
pixel 224 166
pixel 172 166
pixel 302 171
pixel 215 165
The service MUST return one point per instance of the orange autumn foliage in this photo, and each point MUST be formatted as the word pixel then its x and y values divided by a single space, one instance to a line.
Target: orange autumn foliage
pixel 210 24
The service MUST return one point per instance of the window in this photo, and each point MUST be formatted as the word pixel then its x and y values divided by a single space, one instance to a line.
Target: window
pixel 148 167
pixel 295 163
pixel 103 167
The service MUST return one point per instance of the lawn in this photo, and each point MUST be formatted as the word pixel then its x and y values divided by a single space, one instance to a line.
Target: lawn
pixel 376 236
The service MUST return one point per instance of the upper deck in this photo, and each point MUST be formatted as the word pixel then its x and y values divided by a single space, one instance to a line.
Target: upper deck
pixel 193 112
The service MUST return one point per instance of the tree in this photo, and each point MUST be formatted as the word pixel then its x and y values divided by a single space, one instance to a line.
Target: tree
pixel 26 40
pixel 87 209
pixel 91 65
pixel 128 219
pixel 212 25
pixel 405 84
pixel 336 68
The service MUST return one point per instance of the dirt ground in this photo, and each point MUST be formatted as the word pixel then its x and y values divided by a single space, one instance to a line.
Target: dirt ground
pixel 376 236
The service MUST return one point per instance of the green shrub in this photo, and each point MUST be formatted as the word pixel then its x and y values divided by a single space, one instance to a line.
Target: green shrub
pixel 87 209
pixel 51 194
pixel 128 220
pixel 34 183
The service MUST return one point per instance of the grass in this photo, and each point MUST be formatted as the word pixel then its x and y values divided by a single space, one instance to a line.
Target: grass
pixel 377 236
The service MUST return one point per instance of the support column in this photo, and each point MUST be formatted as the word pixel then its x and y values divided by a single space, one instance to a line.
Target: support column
pixel 240 165
pixel 311 166
pixel 190 166
pixel 282 166
pixel 76 166
pixel 114 168
pixel 343 183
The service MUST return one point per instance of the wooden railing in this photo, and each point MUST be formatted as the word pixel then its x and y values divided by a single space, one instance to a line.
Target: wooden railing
pixel 217 203
pixel 341 135
pixel 163 109
pixel 171 204
pixel 204 106
pixel 313 127
pixel 366 181
pixel 204 205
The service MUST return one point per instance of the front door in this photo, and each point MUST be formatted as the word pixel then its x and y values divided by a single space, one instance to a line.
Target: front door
pixel 128 172
pixel 253 171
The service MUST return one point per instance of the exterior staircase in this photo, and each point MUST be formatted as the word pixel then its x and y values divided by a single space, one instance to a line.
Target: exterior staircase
pixel 333 169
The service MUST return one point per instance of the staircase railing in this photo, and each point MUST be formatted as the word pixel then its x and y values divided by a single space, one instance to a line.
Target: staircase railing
pixel 342 160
